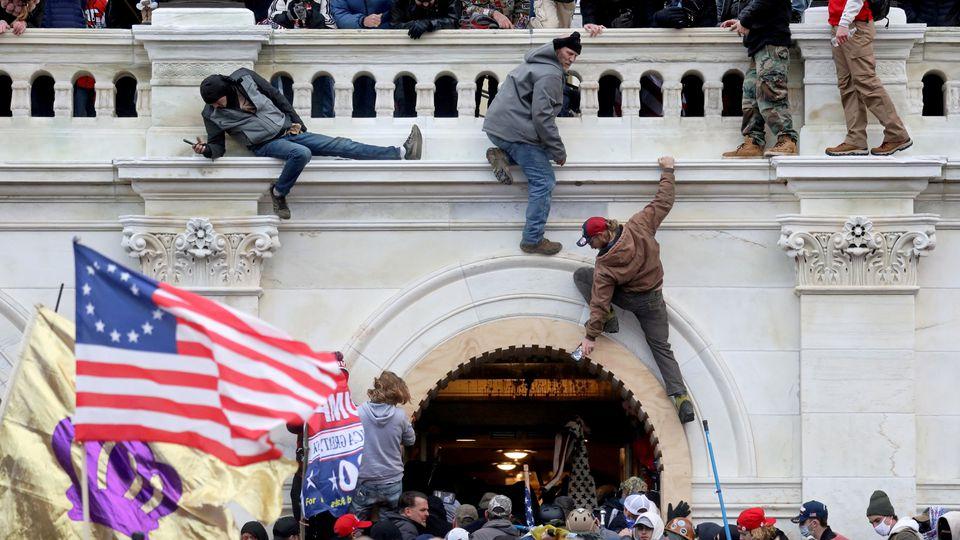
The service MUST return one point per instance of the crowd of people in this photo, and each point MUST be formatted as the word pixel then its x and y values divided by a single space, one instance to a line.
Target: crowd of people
pixel 421 16
pixel 630 514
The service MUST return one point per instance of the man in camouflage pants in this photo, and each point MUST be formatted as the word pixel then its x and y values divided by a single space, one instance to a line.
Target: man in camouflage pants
pixel 765 27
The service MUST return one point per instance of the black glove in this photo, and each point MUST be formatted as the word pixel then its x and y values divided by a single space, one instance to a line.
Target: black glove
pixel 671 17
pixel 418 29
pixel 682 510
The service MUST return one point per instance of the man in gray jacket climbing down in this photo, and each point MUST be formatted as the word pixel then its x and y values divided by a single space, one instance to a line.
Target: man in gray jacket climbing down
pixel 521 123
pixel 385 428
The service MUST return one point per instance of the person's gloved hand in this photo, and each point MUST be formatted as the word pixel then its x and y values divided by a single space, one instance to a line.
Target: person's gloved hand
pixel 671 17
pixel 682 510
pixel 419 28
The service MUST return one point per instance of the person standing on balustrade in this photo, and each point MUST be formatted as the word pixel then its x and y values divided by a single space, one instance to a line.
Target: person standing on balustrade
pixel 247 107
pixel 522 124
pixel 860 87
pixel 418 17
pixel 765 27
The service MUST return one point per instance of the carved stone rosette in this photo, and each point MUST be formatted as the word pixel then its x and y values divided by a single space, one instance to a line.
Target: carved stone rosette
pixel 200 253
pixel 861 254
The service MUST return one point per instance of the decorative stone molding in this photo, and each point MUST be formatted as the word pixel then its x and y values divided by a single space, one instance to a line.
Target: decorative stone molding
pixel 201 254
pixel 859 255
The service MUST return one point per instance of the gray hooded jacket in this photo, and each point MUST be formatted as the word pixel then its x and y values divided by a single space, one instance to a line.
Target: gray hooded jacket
pixel 385 428
pixel 528 102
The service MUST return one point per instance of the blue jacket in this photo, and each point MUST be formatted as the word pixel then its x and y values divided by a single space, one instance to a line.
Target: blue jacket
pixel 349 13
pixel 64 14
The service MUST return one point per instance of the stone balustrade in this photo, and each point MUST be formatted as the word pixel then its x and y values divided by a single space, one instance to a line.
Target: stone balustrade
pixel 624 76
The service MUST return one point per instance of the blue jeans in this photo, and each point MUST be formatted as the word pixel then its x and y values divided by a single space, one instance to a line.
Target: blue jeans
pixel 297 150
pixel 800 5
pixel 536 165
pixel 368 495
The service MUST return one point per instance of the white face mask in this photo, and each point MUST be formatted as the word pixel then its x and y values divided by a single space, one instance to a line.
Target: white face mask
pixel 882 528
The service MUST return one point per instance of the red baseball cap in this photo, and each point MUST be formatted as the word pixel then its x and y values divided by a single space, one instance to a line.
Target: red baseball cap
pixel 753 518
pixel 591 228
pixel 347 523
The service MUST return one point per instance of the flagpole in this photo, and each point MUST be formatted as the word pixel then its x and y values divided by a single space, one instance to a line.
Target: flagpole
pixel 85 492
pixel 303 476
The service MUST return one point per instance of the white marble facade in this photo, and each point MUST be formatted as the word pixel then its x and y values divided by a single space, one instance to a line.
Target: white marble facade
pixel 813 302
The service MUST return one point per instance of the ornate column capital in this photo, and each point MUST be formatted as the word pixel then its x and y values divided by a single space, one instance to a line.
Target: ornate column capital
pixel 858 254
pixel 218 257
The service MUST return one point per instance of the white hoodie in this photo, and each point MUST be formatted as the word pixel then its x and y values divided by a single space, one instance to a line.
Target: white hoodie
pixel 906 524
pixel 655 521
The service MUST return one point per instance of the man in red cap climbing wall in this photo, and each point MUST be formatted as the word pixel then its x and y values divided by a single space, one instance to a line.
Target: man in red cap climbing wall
pixel 628 273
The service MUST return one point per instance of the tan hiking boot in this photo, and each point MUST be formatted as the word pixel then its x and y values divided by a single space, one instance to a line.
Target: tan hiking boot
pixel 543 247
pixel 785 147
pixel 747 150
pixel 846 149
pixel 890 148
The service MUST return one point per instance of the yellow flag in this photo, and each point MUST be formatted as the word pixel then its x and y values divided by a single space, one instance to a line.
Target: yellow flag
pixel 163 490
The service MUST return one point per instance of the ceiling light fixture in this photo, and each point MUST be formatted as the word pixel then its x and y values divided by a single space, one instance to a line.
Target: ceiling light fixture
pixel 466 440
pixel 506 466
pixel 515 454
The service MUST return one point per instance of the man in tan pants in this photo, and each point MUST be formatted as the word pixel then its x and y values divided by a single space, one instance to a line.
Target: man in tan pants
pixel 552 13
pixel 860 88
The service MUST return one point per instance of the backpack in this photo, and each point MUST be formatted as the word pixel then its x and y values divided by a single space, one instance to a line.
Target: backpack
pixel 880 9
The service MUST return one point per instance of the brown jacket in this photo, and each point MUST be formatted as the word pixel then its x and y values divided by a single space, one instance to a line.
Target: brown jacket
pixel 633 263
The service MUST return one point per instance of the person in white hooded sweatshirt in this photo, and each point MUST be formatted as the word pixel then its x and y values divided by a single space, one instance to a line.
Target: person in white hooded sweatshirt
pixel 885 522
pixel 649 526
pixel 386 430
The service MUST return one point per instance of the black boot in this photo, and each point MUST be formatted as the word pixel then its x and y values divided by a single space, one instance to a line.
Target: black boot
pixel 684 407
pixel 280 207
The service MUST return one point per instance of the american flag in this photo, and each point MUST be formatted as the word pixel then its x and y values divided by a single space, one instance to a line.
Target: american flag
pixel 527 499
pixel 160 364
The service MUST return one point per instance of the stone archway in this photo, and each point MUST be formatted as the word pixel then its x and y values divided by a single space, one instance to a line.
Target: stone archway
pixel 461 311
pixel 640 390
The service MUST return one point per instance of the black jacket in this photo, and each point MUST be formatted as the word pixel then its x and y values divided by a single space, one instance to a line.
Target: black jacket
pixel 442 14
pixel 768 22
pixel 33 20
pixel 684 14
pixel 216 140
pixel 932 12
pixel 314 19
pixel 122 14
pixel 614 13
pixel 408 529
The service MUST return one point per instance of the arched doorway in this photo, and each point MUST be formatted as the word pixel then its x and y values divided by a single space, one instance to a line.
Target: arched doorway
pixel 502 409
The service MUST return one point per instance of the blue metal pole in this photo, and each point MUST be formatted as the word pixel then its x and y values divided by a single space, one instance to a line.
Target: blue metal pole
pixel 716 480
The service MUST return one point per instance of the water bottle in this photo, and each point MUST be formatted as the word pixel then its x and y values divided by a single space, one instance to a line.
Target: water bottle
pixel 577 354
pixel 833 40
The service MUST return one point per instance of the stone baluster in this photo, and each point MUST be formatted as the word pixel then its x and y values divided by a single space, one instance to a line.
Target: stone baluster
pixel 62 99
pixel 795 98
pixel 589 98
pixel 143 100
pixel 672 103
pixel 20 98
pixel 384 106
pixel 343 99
pixel 466 98
pixel 712 99
pixel 630 98
pixel 915 98
pixel 106 100
pixel 953 99
pixel 302 99
pixel 425 93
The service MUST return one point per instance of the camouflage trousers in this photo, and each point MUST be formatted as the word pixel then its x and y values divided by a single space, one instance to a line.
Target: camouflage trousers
pixel 765 95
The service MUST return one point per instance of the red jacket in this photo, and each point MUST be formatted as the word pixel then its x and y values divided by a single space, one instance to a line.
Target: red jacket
pixel 835 10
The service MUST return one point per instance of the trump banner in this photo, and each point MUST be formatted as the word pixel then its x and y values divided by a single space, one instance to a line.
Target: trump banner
pixel 334 450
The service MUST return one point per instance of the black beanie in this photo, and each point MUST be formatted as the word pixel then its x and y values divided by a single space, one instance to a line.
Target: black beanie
pixel 214 87
pixel 880 505
pixel 571 42
pixel 256 529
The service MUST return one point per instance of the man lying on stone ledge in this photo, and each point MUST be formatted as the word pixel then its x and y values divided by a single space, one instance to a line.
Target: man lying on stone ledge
pixel 247 107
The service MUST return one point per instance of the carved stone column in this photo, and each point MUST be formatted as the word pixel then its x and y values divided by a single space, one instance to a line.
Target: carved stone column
pixel 106 100
pixel 343 99
pixel 857 280
pixel 384 105
pixel 201 229
pixel 62 99
pixel 630 104
pixel 425 93
pixel 20 98
pixel 185 45
pixel 466 101
pixel 712 99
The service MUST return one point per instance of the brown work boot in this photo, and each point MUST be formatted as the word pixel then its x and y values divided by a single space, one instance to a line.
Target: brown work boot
pixel 846 149
pixel 543 247
pixel 747 150
pixel 785 147
pixel 889 148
